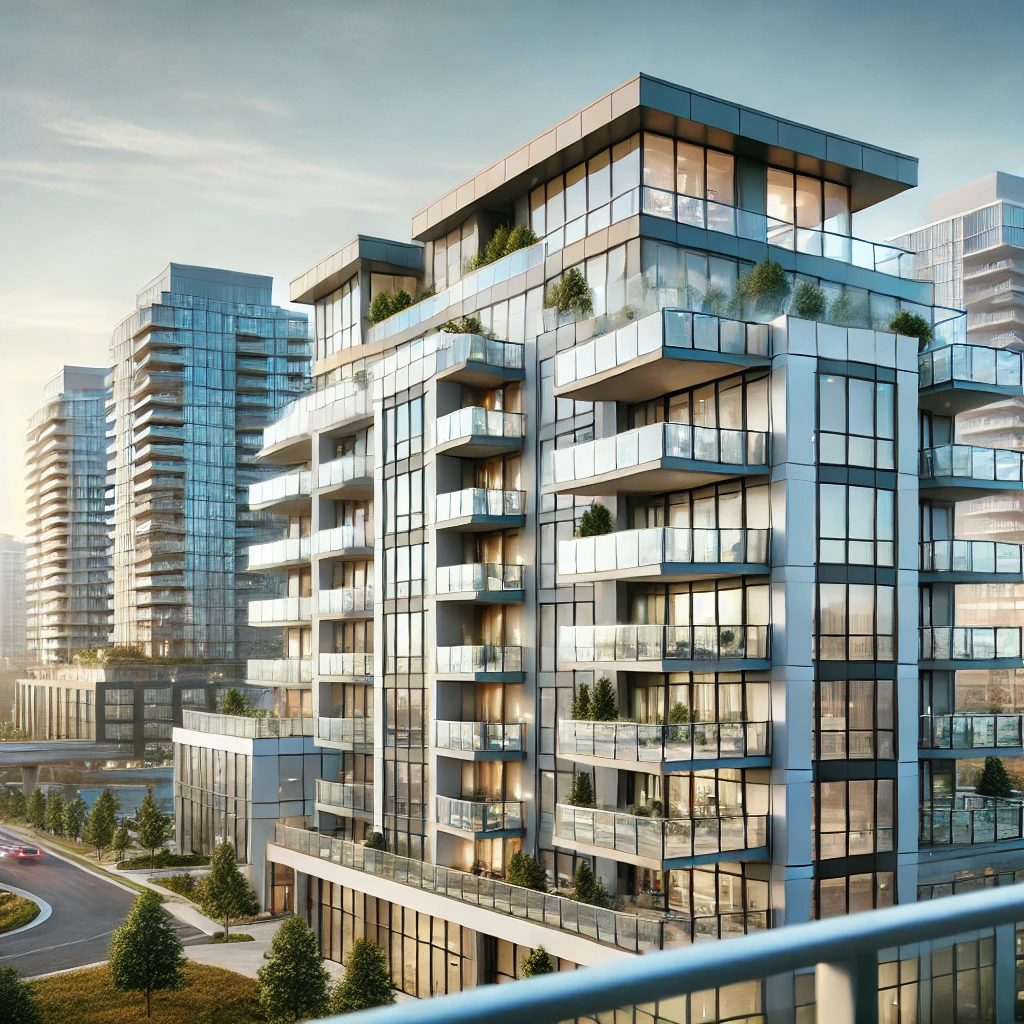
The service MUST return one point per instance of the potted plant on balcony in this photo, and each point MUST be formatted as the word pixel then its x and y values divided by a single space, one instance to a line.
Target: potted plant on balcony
pixel 587 888
pixel 582 793
pixel 581 704
pixel 571 296
pixel 764 289
pixel 525 871
pixel 809 301
pixel 912 326
pixel 596 521
pixel 604 707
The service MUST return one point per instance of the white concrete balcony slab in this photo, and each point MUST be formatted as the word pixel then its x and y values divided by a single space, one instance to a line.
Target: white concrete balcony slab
pixel 280 554
pixel 287 493
pixel 281 611
pixel 478 362
pixel 344 542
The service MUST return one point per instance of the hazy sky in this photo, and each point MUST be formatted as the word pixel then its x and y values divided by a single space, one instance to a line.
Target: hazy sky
pixel 260 136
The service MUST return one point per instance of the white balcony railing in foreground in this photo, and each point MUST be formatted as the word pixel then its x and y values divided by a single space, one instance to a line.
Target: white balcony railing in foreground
pixel 476 422
pixel 296 484
pixel 345 663
pixel 345 601
pixel 345 469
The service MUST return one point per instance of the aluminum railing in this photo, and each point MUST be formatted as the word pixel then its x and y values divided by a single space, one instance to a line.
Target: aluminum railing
pixel 479 815
pixel 972 556
pixel 660 839
pixel 297 484
pixel 479 576
pixel 481 658
pixel 713 445
pixel 343 538
pixel 641 741
pixel 968 462
pixel 345 663
pixel 349 796
pixel 479 501
pixel 970 643
pixel 344 470
pixel 476 422
pixel 478 736
pixel 973 364
pixel 971 819
pixel 279 552
pixel 355 731
pixel 632 549
pixel 244 726
pixel 658 643
pixel 280 609
pixel 344 601
pixel 279 670
pixel 967 730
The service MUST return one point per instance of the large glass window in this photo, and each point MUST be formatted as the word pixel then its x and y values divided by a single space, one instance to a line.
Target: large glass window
pixel 856 418
pixel 855 719
pixel 855 622
pixel 856 525
pixel 338 317
pixel 854 817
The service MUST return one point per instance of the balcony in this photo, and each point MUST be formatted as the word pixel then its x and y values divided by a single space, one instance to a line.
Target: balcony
pixel 661 648
pixel 345 733
pixel 478 362
pixel 661 843
pixel 349 541
pixel 288 493
pixel 345 799
pixel 244 727
pixel 477 509
pixel 480 741
pixel 281 611
pixel 482 583
pixel 480 818
pixel 961 647
pixel 956 472
pixel 350 476
pixel 958 378
pixel 659 457
pixel 348 403
pixel 970 734
pixel 345 603
pixel 653 555
pixel 482 663
pixel 280 554
pixel 662 352
pixel 970 561
pixel 283 671
pixel 971 819
pixel 476 433
pixel 346 665
pixel 660 749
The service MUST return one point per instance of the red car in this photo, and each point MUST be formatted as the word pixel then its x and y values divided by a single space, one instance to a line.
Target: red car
pixel 20 852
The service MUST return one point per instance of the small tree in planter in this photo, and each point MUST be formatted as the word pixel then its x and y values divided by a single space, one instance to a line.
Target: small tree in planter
pixel 604 706
pixel 596 521
pixel 587 888
pixel 571 295
pixel 912 326
pixel 994 779
pixel 375 841
pixel 582 793
pixel 525 871
pixel 581 704
pixel 236 704
pixel 767 286
pixel 537 962
pixel 381 307
pixel 809 301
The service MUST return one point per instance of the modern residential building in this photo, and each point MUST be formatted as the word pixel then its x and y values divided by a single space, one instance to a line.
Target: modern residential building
pixel 12 602
pixel 658 306
pixel 68 567
pixel 199 367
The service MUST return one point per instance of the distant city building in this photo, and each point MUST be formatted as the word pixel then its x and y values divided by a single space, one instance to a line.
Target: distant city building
pixel 12 601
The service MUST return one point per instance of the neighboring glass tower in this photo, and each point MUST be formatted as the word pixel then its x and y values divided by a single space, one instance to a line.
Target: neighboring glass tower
pixel 12 602
pixel 68 568
pixel 198 369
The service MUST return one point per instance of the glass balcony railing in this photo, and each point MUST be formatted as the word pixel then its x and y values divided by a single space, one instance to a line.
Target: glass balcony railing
pixel 970 819
pixel 478 501
pixel 279 552
pixel 479 736
pixel 345 796
pixel 348 400
pixel 970 364
pixel 280 609
pixel 632 549
pixel 478 577
pixel 965 730
pixel 344 470
pixel 356 732
pixel 970 643
pixel 279 670
pixel 713 445
pixel 982 556
pixel 297 484
pixel 479 815
pixel 345 601
pixel 343 538
pixel 668 328
pixel 584 644
pixel 967 462
pixel 660 839
pixel 476 422
pixel 245 727
pixel 471 348
pixel 346 663
pixel 653 743
pixel 468 660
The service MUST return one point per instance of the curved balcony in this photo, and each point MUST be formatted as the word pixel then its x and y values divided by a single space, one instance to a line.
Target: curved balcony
pixel 345 733
pixel 478 433
pixel 480 583
pixel 480 663
pixel 281 611
pixel 346 665
pixel 661 648
pixel 662 352
pixel 479 818
pixel 956 472
pixel 280 554
pixel 478 509
pixel 958 378
pixel 970 561
pixel 971 819
pixel 348 403
pixel 287 493
pixel 962 647
pixel 289 671
pixel 660 749
pixel 350 476
pixel 480 741
pixel 478 362
pixel 341 542
pixel 970 734
pixel 661 843
pixel 659 457
pixel 345 799
pixel 652 555
pixel 346 603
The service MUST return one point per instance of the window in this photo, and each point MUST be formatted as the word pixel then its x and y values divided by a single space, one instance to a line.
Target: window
pixel 856 525
pixel 854 817
pixel 856 422
pixel 403 430
pixel 403 502
pixel 855 622
pixel 855 719
pixel 338 318
pixel 850 894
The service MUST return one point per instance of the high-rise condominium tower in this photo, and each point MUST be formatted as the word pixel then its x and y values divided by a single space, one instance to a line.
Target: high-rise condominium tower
pixel 12 602
pixel 198 369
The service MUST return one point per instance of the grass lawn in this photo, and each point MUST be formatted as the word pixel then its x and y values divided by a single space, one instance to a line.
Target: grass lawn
pixel 15 911
pixel 211 995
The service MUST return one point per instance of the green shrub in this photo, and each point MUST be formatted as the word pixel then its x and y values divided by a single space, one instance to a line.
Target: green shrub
pixel 18 1003
pixel 184 885
pixel 524 870
pixel 911 326
pixel 166 859
pixel 15 911
pixel 582 793
pixel 808 301
pixel 581 704
pixel 503 242
pixel 767 286
pixel 382 306
pixel 604 705
pixel 467 325
pixel 537 962
pixel 994 780
pixel 376 841
pixel 587 888
pixel 236 937
pixel 571 295
pixel 596 521
pixel 680 714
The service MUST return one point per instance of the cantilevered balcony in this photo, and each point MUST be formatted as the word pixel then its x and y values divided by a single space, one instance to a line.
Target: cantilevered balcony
pixel 970 819
pixel 963 734
pixel 280 554
pixel 287 493
pixel 345 733
pixel 970 561
pixel 963 647
pixel 480 583
pixel 349 541
pixel 345 799
pixel 665 351
pixel 478 433
pixel 659 457
pixel 477 509
pixel 345 603
pixel 484 818
pixel 958 378
pixel 956 472
pixel 661 843
pixel 660 749
pixel 291 671
pixel 478 362
pixel 661 648
pixel 652 555
pixel 350 476
pixel 346 665
pixel 480 663
pixel 480 741
pixel 281 611
pixel 347 404
pixel 246 727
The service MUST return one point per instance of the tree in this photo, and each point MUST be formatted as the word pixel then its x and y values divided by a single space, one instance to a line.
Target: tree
pixel 596 521
pixel 582 794
pixel 102 821
pixel 367 981
pixel 122 841
pixel 151 826
pixel 226 893
pixel 145 953
pixel 808 301
pixel 587 888
pixel 75 813
pixel 55 813
pixel 767 286
pixel 524 870
pixel 571 295
pixel 293 982
pixel 994 779
pixel 403 300
pixel 604 707
pixel 381 307
pixel 5 802
pixel 16 806
pixel 376 841
pixel 17 999
pixel 537 962
pixel 581 704
pixel 36 809
pixel 235 703
pixel 912 326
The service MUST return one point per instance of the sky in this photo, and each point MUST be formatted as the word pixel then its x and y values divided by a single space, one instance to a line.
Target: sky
pixel 262 136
